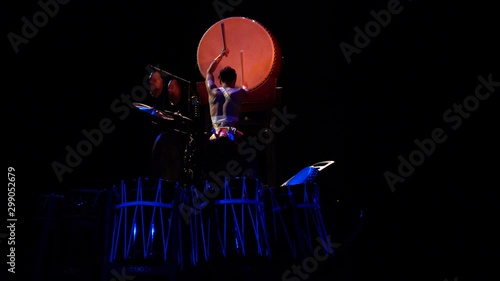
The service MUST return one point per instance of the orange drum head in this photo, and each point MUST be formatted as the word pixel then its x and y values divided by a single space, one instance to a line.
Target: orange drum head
pixel 253 51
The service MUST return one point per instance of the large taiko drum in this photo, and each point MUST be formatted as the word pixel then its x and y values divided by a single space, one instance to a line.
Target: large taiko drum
pixel 253 52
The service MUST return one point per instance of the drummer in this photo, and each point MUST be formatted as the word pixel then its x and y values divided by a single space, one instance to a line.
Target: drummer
pixel 225 108
pixel 225 101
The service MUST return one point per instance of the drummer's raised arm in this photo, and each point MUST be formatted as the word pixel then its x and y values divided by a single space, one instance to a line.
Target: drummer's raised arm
pixel 209 78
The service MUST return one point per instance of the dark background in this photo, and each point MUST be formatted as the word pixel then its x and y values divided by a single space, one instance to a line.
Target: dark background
pixel 363 115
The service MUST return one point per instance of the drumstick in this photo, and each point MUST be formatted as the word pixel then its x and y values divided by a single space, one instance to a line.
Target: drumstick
pixel 223 36
pixel 242 72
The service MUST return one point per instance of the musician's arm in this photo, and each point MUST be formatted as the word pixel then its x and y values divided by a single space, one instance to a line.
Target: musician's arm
pixel 209 77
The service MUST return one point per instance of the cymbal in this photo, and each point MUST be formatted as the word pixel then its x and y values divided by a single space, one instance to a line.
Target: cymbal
pixel 153 111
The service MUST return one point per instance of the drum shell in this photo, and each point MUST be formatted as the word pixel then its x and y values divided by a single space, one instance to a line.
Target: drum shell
pixel 171 155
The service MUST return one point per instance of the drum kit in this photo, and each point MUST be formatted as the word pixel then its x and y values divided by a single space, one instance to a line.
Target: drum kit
pixel 182 218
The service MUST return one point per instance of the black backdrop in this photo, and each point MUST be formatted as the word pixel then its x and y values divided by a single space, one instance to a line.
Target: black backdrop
pixel 362 114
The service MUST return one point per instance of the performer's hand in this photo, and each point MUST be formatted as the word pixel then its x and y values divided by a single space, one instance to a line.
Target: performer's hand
pixel 219 57
pixel 225 52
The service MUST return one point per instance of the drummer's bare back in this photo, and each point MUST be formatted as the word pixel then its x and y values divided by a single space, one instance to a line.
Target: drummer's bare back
pixel 222 104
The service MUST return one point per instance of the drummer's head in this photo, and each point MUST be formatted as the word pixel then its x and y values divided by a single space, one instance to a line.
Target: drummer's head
pixel 227 75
